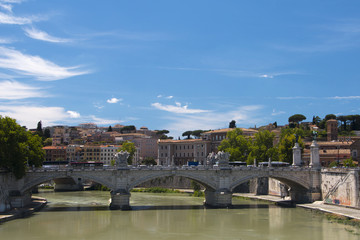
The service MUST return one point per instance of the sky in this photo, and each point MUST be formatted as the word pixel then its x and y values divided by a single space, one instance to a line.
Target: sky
pixel 178 65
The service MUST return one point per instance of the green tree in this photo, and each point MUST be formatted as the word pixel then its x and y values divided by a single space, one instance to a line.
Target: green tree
pixel 349 162
pixel 232 124
pixel 263 148
pixel 236 144
pixel 109 129
pixel 187 134
pixel 197 133
pixel 18 147
pixel 296 118
pixel 286 143
pixel 48 142
pixel 148 161
pixel 130 148
pixel 47 133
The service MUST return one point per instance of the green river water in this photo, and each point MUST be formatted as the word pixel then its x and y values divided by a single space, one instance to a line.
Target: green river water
pixel 85 215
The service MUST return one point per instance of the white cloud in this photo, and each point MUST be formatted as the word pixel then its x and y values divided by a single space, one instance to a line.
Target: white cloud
pixel 6 7
pixel 114 100
pixel 244 116
pixel 11 19
pixel 275 113
pixel 35 66
pixel 29 116
pixel 346 97
pixel 266 76
pixel 102 121
pixel 12 90
pixel 169 97
pixel 159 96
pixel 177 108
pixel 5 41
pixel 43 36
pixel 73 114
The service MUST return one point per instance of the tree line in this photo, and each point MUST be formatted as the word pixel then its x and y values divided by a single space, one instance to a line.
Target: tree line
pixel 261 147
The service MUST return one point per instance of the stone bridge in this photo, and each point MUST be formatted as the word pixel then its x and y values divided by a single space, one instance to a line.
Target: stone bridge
pixel 219 182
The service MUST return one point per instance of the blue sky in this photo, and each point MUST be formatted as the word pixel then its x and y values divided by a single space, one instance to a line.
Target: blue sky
pixel 177 65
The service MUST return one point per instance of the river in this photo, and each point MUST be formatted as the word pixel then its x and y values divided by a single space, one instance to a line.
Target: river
pixel 85 215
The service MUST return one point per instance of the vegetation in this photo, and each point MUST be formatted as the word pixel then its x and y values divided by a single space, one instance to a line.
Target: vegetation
pixel 232 124
pixel 162 134
pixel 349 163
pixel 237 145
pixel 149 161
pixel 18 147
pixel 296 118
pixel 130 148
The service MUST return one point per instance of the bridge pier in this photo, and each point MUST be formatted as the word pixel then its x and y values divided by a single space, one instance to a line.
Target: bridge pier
pixel 120 199
pixel 18 200
pixel 220 198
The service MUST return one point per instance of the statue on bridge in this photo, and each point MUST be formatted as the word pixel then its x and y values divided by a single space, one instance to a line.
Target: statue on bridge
pixel 211 159
pixel 222 158
pixel 121 159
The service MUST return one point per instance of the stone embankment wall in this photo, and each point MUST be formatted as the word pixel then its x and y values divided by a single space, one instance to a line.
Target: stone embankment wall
pixel 341 187
pixel 168 182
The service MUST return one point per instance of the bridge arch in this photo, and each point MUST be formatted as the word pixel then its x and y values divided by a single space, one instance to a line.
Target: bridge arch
pixel 208 184
pixel 48 177
pixel 292 181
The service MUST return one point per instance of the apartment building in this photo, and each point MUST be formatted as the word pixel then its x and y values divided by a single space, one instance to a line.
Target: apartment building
pixel 179 152
pixel 55 153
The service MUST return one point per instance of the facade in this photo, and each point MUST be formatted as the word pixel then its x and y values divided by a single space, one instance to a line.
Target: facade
pixel 179 152
pixel 55 153
pixel 332 130
pixel 75 153
pixel 329 152
pixel 107 153
pixel 92 153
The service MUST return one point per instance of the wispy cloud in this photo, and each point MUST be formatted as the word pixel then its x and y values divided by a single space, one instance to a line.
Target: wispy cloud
pixel 177 108
pixel 35 66
pixel 294 98
pixel 113 100
pixel 6 7
pixel 44 36
pixel 13 90
pixel 233 72
pixel 14 20
pixel 275 113
pixel 6 41
pixel 244 116
pixel 103 121
pixel 167 97
pixel 345 97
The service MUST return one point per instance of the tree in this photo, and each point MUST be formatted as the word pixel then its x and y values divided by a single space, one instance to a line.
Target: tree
pixel 48 142
pixel 128 129
pixel 197 133
pixel 18 147
pixel 232 124
pixel 162 134
pixel 188 134
pixel 39 130
pixel 148 161
pixel 296 118
pixel 262 147
pixel 47 133
pixel 130 148
pixel 316 120
pixel 286 143
pixel 236 144
pixel 109 129
pixel 349 162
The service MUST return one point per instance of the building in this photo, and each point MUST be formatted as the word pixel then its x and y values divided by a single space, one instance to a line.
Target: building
pixel 179 152
pixel 107 153
pixel 55 153
pixel 75 153
pixel 329 152
pixel 92 153
pixel 332 130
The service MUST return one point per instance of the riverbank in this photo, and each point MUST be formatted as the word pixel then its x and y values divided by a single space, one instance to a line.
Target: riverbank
pixel 350 213
pixel 36 204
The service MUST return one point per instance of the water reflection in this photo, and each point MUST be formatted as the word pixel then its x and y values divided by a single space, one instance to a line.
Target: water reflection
pixel 85 215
